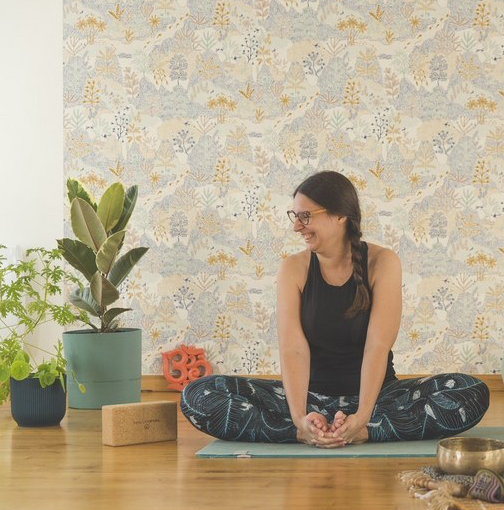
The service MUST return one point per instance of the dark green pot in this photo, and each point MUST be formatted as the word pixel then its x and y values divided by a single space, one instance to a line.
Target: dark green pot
pixel 108 364
pixel 34 406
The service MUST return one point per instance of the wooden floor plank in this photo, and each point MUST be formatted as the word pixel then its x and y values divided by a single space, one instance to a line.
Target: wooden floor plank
pixel 68 468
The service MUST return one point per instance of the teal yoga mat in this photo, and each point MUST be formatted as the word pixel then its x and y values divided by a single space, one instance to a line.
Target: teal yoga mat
pixel 226 449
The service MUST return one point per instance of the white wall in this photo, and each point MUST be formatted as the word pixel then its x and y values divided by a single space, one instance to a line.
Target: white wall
pixel 31 131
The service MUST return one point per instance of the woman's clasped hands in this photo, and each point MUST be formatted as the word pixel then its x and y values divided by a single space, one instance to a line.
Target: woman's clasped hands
pixel 313 429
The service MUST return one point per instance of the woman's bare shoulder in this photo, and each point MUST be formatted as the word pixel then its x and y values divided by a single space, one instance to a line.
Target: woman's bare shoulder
pixel 295 267
pixel 375 250
pixel 377 256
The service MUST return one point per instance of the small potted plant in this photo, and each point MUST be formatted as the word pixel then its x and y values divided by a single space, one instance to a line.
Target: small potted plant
pixel 27 289
pixel 105 357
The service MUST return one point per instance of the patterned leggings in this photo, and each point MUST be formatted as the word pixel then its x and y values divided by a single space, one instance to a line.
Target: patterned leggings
pixel 256 410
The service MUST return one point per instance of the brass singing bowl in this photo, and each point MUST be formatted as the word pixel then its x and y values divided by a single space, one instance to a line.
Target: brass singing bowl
pixel 466 455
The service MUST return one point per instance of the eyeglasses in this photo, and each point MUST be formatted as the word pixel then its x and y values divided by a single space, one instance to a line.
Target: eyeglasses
pixel 303 216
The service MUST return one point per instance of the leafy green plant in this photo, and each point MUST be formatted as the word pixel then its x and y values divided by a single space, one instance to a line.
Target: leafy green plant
pixel 100 230
pixel 27 289
pixel 45 372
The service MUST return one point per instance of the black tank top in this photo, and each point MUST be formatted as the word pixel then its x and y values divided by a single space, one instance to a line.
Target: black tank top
pixel 336 344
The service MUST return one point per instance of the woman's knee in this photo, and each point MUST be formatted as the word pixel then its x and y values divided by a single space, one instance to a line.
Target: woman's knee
pixel 193 392
pixel 466 381
pixel 484 391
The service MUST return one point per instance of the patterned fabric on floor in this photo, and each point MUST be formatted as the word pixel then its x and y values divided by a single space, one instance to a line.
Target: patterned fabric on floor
pixel 443 492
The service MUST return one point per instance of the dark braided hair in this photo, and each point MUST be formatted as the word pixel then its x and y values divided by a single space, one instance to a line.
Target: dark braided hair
pixel 337 194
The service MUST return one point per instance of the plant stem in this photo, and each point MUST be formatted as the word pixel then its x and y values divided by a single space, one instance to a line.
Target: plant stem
pixel 10 328
pixel 37 347
pixel 42 313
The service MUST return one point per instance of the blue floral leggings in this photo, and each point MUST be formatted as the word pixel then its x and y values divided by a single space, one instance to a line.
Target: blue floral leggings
pixel 256 410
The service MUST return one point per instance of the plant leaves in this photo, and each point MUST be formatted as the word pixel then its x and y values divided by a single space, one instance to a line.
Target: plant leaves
pixel 20 370
pixel 46 379
pixel 63 315
pixel 110 314
pixel 79 256
pixel 113 325
pixel 83 299
pixel 22 356
pixel 62 381
pixel 130 199
pixel 106 256
pixel 4 373
pixel 124 265
pixel 86 224
pixel 103 291
pixel 75 189
pixel 111 205
pixel 4 391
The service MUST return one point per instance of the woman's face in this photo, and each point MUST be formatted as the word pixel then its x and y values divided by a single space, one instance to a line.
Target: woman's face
pixel 324 231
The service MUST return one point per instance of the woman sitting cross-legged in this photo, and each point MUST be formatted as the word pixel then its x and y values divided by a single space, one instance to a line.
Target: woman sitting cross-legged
pixel 339 311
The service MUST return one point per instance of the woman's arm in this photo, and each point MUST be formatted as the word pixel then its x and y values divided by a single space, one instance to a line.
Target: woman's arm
pixel 294 349
pixel 295 358
pixel 383 327
pixel 384 322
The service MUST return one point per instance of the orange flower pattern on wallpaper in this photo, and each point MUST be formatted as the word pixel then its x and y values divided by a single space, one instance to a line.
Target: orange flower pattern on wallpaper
pixel 218 108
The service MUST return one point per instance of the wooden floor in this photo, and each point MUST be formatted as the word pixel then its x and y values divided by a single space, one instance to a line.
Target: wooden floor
pixel 68 468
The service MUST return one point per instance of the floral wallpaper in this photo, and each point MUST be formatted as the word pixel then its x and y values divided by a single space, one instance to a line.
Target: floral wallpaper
pixel 217 109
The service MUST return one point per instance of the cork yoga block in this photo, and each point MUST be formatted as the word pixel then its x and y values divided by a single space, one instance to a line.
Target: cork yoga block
pixel 144 422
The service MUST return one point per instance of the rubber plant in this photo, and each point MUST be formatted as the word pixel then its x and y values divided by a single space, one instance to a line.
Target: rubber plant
pixel 100 230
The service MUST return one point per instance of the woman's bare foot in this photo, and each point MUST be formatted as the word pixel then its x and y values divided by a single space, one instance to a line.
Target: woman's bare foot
pixel 318 420
pixel 339 419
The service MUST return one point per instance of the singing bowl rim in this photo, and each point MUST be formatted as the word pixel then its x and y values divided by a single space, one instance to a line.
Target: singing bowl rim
pixel 449 444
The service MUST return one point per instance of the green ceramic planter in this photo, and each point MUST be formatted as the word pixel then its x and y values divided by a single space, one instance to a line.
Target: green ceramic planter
pixel 108 364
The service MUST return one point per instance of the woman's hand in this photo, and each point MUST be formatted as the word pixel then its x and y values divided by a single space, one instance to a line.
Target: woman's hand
pixel 314 430
pixel 353 430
